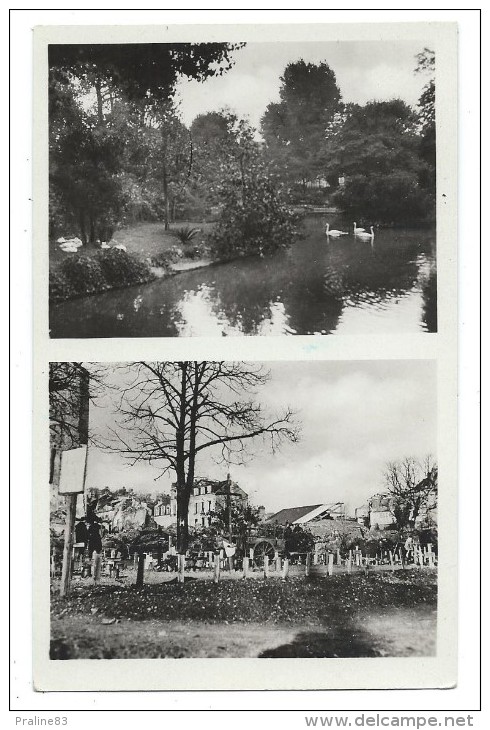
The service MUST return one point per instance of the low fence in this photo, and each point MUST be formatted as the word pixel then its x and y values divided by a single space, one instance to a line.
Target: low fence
pixel 320 562
pixel 312 563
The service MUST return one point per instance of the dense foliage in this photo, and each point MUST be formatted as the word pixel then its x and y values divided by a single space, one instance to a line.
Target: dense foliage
pixel 108 269
pixel 294 129
pixel 254 220
pixel 120 153
pixel 375 162
pixel 377 151
pixel 117 147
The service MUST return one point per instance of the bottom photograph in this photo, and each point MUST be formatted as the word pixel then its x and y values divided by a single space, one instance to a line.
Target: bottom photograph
pixel 243 509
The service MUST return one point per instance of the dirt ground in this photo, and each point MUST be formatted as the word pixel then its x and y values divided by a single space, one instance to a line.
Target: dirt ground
pixel 397 633
pixel 378 615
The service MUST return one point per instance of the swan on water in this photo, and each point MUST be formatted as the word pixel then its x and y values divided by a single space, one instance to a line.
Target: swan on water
pixel 364 235
pixel 334 232
pixel 358 230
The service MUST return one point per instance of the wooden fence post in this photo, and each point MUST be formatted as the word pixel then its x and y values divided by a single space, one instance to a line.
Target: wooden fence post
pixel 392 563
pixel 277 560
pixel 217 561
pixel 245 567
pixel 339 561
pixel 180 568
pixel 330 564
pixel 307 564
pixel 266 566
pixel 71 509
pixel 349 562
pixel 210 558
pixel 285 568
pixel 315 558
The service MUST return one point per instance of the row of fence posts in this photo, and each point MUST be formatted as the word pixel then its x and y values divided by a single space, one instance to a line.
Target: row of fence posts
pixel 281 566
pixel 421 556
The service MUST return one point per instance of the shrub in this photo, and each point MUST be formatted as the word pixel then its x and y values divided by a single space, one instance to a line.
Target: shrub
pixel 200 250
pixel 122 269
pixel 165 258
pixel 186 234
pixel 59 287
pixel 84 274
pixel 253 221
pixel 390 198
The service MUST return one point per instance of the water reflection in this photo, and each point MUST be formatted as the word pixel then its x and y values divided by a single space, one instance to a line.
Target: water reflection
pixel 339 286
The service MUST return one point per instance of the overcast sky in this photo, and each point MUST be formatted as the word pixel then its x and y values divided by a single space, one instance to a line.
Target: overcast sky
pixel 365 71
pixel 355 417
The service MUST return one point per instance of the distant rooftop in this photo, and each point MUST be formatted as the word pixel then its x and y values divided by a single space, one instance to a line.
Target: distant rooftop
pixel 306 513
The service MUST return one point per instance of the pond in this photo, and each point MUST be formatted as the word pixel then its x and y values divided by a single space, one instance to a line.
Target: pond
pixel 319 286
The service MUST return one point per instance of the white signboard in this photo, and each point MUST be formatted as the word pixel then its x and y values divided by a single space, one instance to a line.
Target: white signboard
pixel 72 475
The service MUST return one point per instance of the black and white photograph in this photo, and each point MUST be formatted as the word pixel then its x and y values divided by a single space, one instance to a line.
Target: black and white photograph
pixel 240 509
pixel 219 506
pixel 242 188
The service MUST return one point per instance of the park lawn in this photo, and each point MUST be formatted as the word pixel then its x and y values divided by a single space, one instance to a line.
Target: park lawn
pixel 345 615
pixel 145 240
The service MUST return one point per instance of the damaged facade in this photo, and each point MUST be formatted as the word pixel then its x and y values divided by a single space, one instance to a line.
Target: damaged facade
pixel 208 496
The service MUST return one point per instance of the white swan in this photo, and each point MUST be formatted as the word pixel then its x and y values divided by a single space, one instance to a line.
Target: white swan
pixel 358 230
pixel 366 236
pixel 334 233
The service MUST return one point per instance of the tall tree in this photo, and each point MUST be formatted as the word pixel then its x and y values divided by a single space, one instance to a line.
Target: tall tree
pixel 71 386
pixel 295 128
pixel 377 149
pixel 173 411
pixel 225 153
pixel 169 158
pixel 98 96
pixel 143 71
pixel 410 482
pixel 426 65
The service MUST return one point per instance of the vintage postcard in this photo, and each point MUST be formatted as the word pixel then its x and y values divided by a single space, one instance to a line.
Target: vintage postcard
pixel 226 495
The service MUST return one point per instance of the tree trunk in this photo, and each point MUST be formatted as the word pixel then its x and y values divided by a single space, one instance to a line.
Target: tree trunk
pixel 98 92
pixel 83 231
pixel 182 520
pixel 165 197
pixel 92 235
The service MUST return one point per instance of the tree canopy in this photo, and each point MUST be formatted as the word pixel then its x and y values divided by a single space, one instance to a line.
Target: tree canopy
pixel 117 146
pixel 143 71
pixel 410 482
pixel 377 150
pixel 294 129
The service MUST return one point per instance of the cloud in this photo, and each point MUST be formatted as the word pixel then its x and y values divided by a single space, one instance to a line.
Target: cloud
pixel 365 70
pixel 356 416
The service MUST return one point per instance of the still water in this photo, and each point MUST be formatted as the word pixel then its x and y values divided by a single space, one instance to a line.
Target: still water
pixel 336 286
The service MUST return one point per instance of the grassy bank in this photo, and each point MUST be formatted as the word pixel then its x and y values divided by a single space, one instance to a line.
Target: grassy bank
pixel 344 615
pixel 150 252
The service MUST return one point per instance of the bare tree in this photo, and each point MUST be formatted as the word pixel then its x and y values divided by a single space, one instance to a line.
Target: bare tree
pixel 172 411
pixel 411 482
pixel 72 386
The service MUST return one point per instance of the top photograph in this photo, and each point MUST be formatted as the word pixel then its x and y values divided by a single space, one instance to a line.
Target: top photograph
pixel 242 189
